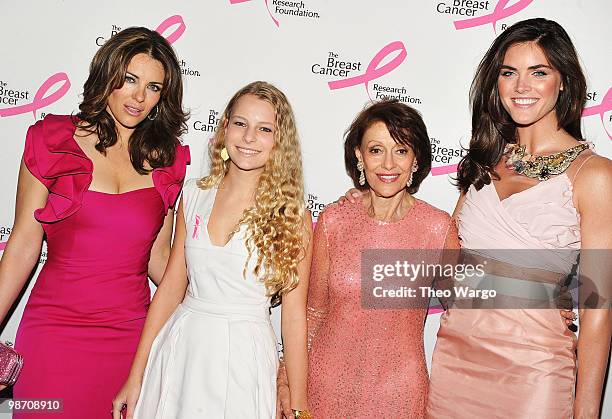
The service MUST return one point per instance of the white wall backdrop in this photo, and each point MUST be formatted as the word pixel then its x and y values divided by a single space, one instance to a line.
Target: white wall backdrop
pixel 329 57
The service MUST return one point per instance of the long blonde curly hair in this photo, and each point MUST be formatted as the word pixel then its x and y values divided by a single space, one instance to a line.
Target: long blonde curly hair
pixel 275 224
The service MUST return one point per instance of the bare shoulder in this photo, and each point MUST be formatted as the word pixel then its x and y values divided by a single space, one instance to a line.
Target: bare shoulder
pixel 596 169
pixel 85 138
pixel 594 180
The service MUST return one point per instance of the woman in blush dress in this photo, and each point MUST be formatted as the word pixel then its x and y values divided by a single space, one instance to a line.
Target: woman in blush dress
pixel 528 182
pixel 243 234
pixel 99 186
pixel 369 361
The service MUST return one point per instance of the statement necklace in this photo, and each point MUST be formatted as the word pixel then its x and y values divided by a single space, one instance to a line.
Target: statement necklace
pixel 540 167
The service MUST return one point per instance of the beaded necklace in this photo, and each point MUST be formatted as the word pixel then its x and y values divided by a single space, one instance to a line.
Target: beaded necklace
pixel 540 167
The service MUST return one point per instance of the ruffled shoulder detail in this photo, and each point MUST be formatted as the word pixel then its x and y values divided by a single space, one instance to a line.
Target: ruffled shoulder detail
pixel 53 156
pixel 169 180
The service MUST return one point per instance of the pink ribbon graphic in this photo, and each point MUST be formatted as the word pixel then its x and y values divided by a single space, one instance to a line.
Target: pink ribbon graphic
pixel 373 71
pixel 276 22
pixel 40 100
pixel 500 12
pixel 601 109
pixel 443 170
pixel 196 227
pixel 2 245
pixel 171 21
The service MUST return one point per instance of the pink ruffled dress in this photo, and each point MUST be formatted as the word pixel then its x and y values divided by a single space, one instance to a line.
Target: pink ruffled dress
pixel 83 320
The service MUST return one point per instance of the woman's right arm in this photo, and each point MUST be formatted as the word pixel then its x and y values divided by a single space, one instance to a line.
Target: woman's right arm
pixel 23 247
pixel 168 296
pixel 316 311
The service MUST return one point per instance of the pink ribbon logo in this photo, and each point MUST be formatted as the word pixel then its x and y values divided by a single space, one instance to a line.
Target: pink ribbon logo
pixel 196 227
pixel 601 109
pixel 443 170
pixel 276 22
pixel 374 72
pixel 40 99
pixel 168 23
pixel 500 12
pixel 2 245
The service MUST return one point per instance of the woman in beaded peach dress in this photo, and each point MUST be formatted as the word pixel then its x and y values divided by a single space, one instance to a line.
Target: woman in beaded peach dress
pixel 511 361
pixel 367 363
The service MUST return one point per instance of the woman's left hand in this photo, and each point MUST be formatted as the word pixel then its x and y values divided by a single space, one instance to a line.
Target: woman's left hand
pixel 569 316
pixel 126 399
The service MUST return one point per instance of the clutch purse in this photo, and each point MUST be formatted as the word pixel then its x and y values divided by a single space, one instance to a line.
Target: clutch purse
pixel 10 364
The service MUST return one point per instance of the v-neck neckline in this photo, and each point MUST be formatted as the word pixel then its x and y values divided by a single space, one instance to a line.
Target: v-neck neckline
pixel 543 182
pixel 212 205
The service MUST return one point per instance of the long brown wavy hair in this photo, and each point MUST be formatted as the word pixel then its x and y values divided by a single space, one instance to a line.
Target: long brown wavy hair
pixel 153 141
pixel 275 226
pixel 492 126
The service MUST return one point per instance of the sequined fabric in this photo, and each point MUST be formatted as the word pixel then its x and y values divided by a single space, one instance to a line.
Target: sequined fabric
pixel 366 363
pixel 10 364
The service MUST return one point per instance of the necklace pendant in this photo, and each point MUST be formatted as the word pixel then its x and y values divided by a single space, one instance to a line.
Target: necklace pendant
pixel 544 174
pixel 518 166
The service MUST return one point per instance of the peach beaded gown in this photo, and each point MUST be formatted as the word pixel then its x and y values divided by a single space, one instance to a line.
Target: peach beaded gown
pixel 366 363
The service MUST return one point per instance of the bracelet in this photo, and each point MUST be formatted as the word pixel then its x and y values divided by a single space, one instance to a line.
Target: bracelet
pixel 302 414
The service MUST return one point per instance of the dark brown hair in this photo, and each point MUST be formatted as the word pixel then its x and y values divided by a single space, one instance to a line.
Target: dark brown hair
pixel 153 141
pixel 492 126
pixel 405 126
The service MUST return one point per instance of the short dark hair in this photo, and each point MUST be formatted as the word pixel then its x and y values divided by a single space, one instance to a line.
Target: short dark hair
pixel 492 126
pixel 405 126
pixel 153 141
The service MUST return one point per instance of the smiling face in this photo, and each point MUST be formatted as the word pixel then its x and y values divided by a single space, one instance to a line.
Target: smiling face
pixel 528 85
pixel 141 90
pixel 249 133
pixel 387 164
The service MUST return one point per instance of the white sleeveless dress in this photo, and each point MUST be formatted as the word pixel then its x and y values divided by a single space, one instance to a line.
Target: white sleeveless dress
pixel 216 356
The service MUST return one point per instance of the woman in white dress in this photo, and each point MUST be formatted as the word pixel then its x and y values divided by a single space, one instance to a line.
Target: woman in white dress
pixel 208 349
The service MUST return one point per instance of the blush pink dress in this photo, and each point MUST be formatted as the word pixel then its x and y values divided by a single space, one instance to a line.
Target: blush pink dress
pixel 366 363
pixel 83 320
pixel 511 363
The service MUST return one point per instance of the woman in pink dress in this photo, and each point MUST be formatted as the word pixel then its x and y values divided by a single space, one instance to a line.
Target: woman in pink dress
pixel 529 182
pixel 367 358
pixel 99 186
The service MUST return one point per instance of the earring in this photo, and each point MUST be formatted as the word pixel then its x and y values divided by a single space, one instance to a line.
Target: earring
pixel 361 173
pixel 415 167
pixel 151 118
pixel 224 154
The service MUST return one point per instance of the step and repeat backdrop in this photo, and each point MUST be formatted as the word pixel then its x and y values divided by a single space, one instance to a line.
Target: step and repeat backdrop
pixel 330 58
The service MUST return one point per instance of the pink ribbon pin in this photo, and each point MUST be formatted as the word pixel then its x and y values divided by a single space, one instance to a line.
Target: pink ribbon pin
pixel 196 227
pixel 373 71
pixel 40 100
pixel 169 22
pixel 601 109
pixel 500 12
